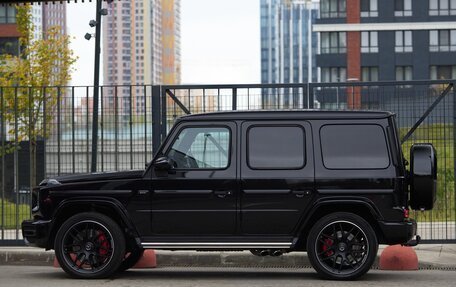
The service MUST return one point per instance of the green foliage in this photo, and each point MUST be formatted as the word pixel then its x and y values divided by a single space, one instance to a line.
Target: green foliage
pixel 9 211
pixel 41 63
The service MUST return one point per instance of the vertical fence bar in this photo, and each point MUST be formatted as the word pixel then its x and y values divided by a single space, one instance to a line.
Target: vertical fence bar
pixel 44 131
pixel 234 101
pixel 145 123
pixel 454 156
pixel 3 160
pixel 102 128
pixel 310 96
pixel 87 130
pixel 156 113
pixel 204 100
pixel 116 130
pixel 73 147
pixel 16 160
pixel 163 114
pixel 58 131
pixel 31 154
pixel 131 128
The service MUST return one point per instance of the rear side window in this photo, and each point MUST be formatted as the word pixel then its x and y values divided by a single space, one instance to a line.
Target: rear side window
pixel 354 147
pixel 275 147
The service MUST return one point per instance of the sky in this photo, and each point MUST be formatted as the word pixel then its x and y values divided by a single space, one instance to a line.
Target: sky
pixel 220 41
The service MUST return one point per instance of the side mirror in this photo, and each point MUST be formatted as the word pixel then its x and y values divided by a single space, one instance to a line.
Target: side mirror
pixel 163 163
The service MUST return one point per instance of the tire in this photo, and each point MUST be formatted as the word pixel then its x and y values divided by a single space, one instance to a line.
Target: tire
pixel 423 176
pixel 90 245
pixel 342 246
pixel 131 259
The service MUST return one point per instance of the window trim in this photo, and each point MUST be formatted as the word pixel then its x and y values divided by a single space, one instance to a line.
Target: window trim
pixel 369 49
pixel 338 13
pixel 247 144
pixel 369 13
pixel 388 151
pixel 185 126
pixel 404 48
pixel 404 12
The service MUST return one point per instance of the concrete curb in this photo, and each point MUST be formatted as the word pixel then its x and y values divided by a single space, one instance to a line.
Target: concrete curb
pixel 37 257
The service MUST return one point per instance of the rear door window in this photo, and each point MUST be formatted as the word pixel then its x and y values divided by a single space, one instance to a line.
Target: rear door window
pixel 354 147
pixel 276 147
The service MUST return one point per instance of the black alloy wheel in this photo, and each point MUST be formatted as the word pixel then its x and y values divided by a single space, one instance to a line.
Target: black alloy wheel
pixel 342 246
pixel 90 246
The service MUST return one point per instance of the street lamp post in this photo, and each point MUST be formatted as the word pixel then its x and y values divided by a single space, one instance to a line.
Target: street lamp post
pixel 96 82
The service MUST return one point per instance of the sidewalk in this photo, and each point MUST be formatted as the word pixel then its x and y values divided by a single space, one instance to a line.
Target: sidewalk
pixel 430 256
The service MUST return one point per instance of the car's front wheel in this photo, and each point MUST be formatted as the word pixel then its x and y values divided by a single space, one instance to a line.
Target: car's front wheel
pixel 342 246
pixel 90 245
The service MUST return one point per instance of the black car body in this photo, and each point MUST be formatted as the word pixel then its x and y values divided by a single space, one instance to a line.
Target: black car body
pixel 269 181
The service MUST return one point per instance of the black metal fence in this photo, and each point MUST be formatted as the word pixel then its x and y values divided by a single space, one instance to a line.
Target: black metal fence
pixel 46 131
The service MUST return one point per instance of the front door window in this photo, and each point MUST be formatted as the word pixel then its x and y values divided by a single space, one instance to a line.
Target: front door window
pixel 201 148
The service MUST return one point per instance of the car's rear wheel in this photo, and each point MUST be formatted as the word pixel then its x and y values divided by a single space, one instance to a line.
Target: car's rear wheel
pixel 90 246
pixel 342 246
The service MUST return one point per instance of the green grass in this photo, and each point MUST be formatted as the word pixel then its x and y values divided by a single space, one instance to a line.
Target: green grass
pixel 442 138
pixel 9 210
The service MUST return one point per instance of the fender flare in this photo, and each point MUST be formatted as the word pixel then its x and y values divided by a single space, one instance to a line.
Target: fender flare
pixel 108 202
pixel 364 202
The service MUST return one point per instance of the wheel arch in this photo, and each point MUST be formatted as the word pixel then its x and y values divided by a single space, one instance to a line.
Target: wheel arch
pixel 108 206
pixel 359 207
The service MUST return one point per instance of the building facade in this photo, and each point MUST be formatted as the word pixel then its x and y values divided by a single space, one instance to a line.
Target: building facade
pixel 141 45
pixel 387 40
pixel 9 36
pixel 288 47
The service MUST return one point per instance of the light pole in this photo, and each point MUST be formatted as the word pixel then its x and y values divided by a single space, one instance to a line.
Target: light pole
pixel 96 82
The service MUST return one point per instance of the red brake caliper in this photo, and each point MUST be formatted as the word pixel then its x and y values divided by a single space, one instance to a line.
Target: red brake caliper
pixel 104 244
pixel 326 246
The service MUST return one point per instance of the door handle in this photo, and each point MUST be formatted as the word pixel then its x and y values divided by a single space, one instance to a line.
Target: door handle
pixel 301 192
pixel 222 193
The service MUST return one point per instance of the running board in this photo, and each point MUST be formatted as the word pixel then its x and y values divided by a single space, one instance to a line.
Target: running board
pixel 216 245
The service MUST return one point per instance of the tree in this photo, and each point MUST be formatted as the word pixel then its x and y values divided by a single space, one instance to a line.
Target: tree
pixel 28 83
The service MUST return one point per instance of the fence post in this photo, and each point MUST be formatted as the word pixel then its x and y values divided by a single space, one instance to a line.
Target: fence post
pixel 156 113
pixel 454 151
pixel 310 96
pixel 58 131
pixel 3 161
pixel 164 123
pixel 16 160
pixel 234 102
pixel 131 126
pixel 73 146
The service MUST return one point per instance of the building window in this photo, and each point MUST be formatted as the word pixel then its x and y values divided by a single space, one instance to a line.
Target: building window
pixel 369 8
pixel 369 42
pixel 442 7
pixel 403 8
pixel 442 72
pixel 333 9
pixel 369 74
pixel 442 40
pixel 333 74
pixel 7 14
pixel 404 73
pixel 404 41
pixel 333 42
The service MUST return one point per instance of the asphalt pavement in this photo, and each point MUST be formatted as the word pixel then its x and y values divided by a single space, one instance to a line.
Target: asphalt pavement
pixel 430 256
pixel 26 276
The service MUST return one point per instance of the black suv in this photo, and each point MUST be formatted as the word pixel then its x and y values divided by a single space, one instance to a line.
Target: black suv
pixel 332 183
